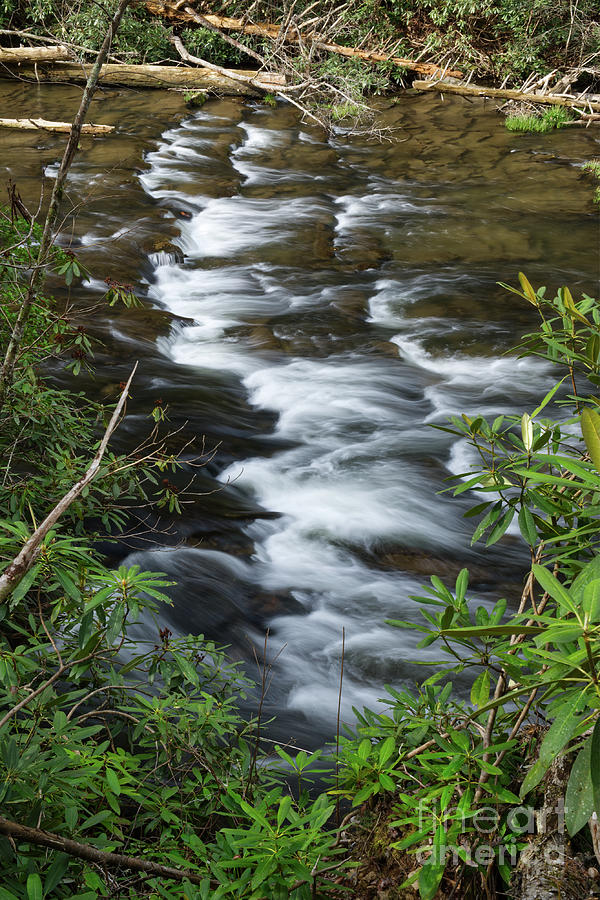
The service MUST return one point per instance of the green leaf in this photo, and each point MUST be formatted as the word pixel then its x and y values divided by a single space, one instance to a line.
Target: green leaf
pixel 588 574
pixel 429 880
pixel 591 600
pixel 186 668
pixel 579 798
pixel 500 527
pixel 483 631
pixel 553 587
pixel 462 582
pixel 387 783
pixel 547 399
pixel 386 750
pixel 480 692
pixel 113 782
pixel 527 526
pixel 284 807
pixel 25 583
pixel 488 520
pixel 67 584
pixel 364 749
pixel 590 428
pixel 560 634
pixel 34 887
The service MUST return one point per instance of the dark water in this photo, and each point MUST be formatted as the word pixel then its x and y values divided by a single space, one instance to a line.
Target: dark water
pixel 332 298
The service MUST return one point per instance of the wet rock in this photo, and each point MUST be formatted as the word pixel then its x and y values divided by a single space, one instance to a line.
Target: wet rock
pixel 163 247
pixel 322 247
pixel 352 303
pixel 227 542
pixel 363 251
pixel 263 338
pixel 386 348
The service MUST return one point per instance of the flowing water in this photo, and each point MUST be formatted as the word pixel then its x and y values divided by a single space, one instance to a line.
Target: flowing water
pixel 314 306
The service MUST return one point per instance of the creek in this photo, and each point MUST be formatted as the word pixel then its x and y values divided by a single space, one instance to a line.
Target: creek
pixel 312 306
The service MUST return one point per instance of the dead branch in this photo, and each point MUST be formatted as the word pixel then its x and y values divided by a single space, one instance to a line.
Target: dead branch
pixel 30 551
pixel 92 854
pixel 227 73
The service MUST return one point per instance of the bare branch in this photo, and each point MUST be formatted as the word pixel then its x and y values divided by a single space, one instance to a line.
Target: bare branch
pixel 25 559
pixel 92 854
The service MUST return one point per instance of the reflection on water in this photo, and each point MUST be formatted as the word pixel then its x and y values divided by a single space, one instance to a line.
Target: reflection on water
pixel 334 298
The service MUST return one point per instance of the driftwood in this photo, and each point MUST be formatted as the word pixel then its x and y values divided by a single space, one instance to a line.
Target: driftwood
pixel 143 76
pixel 34 54
pixel 36 124
pixel 473 90
pixel 182 14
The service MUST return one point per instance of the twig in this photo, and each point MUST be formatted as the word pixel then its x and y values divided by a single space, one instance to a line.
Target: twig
pixel 337 733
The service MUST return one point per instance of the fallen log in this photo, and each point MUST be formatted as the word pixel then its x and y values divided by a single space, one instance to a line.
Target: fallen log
pixel 473 90
pixel 36 124
pixel 34 54
pixel 142 76
pixel 182 14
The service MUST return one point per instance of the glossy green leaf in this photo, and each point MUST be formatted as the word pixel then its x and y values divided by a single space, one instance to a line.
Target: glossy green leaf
pixel 527 526
pixel 480 692
pixel 553 587
pixel 590 428
pixel 429 880
pixel 34 887
pixel 500 527
pixel 579 798
pixel 113 782
pixel 591 601
pixel 547 398
pixel 483 631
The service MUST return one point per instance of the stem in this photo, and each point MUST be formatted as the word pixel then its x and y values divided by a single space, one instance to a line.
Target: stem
pixel 337 733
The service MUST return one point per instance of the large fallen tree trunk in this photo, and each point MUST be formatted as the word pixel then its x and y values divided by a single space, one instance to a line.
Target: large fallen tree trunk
pixel 473 90
pixel 34 54
pixel 145 76
pixel 36 124
pixel 184 14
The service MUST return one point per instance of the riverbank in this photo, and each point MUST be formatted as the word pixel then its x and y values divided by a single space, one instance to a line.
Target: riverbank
pixel 325 63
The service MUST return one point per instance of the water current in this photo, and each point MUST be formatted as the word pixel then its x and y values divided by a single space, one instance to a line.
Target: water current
pixel 314 305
